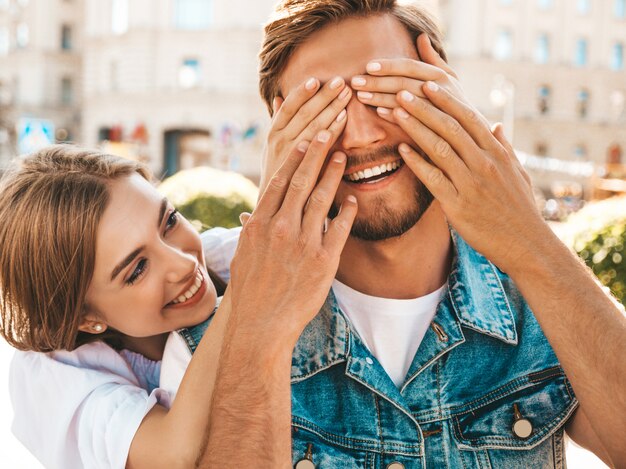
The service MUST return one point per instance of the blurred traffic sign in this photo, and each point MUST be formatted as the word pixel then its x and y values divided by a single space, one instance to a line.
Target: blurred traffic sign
pixel 34 134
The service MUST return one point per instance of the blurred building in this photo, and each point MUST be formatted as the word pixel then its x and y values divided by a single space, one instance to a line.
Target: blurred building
pixel 553 71
pixel 174 82
pixel 40 73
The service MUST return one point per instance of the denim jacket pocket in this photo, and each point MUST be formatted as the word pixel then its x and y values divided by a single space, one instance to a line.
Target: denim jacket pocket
pixel 519 415
pixel 326 450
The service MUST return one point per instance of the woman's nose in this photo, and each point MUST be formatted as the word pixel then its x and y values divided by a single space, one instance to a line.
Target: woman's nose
pixel 181 266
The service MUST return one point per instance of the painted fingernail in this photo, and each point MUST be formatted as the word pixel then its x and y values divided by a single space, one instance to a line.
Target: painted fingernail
pixel 373 67
pixel 323 136
pixel 406 96
pixel 344 93
pixel 404 148
pixel 432 86
pixel 364 95
pixel 336 83
pixel 359 81
pixel 303 146
pixel 341 116
pixel 402 113
pixel 339 157
pixel 351 198
pixel 383 111
pixel 310 84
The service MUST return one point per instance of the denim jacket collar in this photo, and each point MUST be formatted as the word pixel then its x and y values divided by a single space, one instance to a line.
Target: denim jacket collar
pixel 475 292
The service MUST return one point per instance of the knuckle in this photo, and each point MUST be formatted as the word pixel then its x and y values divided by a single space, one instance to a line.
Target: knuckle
pixel 277 182
pixel 299 183
pixel 280 228
pixel 341 225
pixel 472 116
pixel 443 149
pixel 435 176
pixel 318 198
pixel 453 126
pixel 490 168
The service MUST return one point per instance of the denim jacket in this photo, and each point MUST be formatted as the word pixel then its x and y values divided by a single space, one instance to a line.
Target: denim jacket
pixel 484 390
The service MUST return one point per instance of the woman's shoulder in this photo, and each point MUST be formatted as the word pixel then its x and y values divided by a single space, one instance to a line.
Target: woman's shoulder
pixel 95 361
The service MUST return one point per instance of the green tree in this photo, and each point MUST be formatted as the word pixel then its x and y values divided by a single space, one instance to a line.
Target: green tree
pixel 209 197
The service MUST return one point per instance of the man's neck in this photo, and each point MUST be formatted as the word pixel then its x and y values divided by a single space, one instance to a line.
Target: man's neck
pixel 407 266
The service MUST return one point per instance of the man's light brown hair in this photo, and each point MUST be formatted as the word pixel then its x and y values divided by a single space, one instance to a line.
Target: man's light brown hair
pixel 295 21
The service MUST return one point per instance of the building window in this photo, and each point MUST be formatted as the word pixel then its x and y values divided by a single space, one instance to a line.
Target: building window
pixel 503 49
pixel 66 37
pixel 618 104
pixel 4 41
pixel 189 73
pixel 580 151
pixel 119 16
pixel 583 103
pixel 617 56
pixel 543 99
pixel 67 92
pixel 580 58
pixel 541 149
pixel 619 8
pixel 584 6
pixel 22 35
pixel 545 4
pixel 193 14
pixel 542 49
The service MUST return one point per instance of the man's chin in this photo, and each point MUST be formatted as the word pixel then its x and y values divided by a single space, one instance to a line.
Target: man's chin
pixel 386 222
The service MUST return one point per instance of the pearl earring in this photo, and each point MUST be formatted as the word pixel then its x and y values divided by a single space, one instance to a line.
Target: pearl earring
pixel 98 327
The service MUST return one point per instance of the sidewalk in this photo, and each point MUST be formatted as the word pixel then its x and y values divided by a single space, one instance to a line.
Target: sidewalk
pixel 14 456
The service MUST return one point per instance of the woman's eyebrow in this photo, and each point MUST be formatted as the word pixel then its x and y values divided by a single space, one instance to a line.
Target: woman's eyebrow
pixel 128 259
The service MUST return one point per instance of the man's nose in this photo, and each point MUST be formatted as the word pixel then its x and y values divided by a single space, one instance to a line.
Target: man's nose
pixel 363 128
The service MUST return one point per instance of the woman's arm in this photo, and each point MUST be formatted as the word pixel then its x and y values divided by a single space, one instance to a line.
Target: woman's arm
pixel 281 275
pixel 173 438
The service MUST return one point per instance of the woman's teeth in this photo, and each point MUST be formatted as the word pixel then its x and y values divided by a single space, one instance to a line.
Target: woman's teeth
pixel 374 171
pixel 192 291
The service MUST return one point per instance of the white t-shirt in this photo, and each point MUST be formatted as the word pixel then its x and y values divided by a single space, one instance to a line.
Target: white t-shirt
pixel 82 408
pixel 391 329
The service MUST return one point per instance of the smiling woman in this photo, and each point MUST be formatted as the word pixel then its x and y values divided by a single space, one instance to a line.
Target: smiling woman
pixel 97 269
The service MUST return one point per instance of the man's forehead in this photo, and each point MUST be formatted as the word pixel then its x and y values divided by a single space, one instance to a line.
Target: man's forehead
pixel 344 48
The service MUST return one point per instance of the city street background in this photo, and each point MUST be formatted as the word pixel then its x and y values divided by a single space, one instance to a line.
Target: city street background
pixel 173 83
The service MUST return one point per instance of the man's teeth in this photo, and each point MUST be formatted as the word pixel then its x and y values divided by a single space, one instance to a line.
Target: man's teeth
pixel 192 291
pixel 374 171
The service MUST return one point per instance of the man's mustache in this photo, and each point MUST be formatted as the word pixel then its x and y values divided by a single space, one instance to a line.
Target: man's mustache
pixel 372 156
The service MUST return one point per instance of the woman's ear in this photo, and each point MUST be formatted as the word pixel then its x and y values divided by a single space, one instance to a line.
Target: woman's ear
pixel 91 324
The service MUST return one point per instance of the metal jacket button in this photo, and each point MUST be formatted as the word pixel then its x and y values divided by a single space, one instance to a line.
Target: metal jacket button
pixel 395 465
pixel 307 461
pixel 522 428
pixel 305 464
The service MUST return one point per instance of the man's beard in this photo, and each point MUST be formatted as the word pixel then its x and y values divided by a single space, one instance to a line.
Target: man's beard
pixel 385 222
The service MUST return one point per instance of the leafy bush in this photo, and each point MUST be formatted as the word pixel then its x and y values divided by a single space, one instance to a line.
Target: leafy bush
pixel 209 197
pixel 598 235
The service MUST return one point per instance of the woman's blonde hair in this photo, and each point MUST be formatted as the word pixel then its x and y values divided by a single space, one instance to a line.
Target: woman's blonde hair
pixel 50 205
pixel 295 21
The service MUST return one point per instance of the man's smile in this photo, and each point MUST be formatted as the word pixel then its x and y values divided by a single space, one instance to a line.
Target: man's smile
pixel 372 172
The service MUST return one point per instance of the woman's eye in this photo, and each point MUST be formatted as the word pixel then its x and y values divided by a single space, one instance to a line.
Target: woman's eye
pixel 172 220
pixel 140 268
